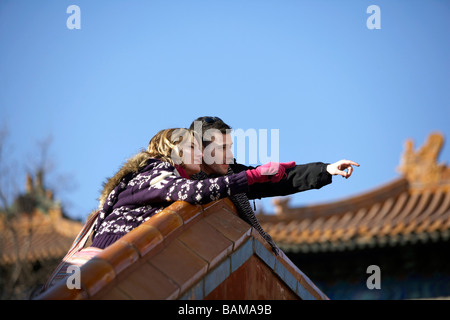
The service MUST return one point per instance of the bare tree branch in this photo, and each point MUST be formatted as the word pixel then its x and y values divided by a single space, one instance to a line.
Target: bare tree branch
pixel 13 203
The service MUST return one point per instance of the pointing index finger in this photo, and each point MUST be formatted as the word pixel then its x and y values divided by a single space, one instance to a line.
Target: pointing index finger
pixel 351 162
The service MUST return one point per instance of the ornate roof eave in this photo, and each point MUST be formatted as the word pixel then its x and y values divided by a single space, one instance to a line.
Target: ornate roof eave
pixel 287 214
pixel 37 237
pixel 413 208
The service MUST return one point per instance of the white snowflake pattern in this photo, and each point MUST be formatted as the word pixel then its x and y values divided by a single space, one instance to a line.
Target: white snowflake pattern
pixel 140 180
pixel 182 196
pixel 160 181
pixel 111 197
pixel 215 196
pixel 198 197
pixel 214 184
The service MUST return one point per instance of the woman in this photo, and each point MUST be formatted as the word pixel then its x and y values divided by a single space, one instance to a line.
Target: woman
pixel 153 179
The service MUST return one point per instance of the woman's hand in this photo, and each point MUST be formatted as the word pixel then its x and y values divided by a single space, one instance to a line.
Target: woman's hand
pixel 272 171
pixel 338 168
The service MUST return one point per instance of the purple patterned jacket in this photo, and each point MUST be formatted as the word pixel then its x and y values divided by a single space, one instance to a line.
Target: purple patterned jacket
pixel 140 195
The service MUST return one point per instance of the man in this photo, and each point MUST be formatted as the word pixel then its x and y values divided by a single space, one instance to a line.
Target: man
pixel 218 160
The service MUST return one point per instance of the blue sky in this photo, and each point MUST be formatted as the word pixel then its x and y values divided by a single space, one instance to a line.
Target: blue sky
pixel 312 69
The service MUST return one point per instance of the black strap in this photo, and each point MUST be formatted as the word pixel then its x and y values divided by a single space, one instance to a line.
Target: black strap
pixel 245 210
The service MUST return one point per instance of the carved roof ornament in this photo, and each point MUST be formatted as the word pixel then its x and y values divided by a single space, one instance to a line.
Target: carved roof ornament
pixel 281 204
pixel 412 208
pixel 421 167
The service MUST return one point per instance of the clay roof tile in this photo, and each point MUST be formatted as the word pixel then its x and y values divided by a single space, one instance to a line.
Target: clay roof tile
pixel 188 252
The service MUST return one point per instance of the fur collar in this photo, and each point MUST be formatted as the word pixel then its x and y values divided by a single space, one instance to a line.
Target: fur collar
pixel 133 165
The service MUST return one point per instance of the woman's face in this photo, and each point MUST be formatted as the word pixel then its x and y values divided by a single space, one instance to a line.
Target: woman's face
pixel 192 156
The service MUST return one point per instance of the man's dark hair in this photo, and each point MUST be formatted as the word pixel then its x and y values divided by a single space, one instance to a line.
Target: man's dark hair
pixel 210 123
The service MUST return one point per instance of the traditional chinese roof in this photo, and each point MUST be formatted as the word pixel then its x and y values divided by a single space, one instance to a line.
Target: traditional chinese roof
pixel 34 228
pixel 190 252
pixel 415 207
pixel 39 237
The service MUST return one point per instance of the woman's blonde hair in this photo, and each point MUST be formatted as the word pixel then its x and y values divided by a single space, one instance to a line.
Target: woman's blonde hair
pixel 165 144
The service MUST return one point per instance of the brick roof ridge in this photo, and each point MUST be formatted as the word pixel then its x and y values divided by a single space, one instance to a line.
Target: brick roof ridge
pixel 183 252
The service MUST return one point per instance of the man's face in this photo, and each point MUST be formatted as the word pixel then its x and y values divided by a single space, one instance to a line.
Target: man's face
pixel 217 155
